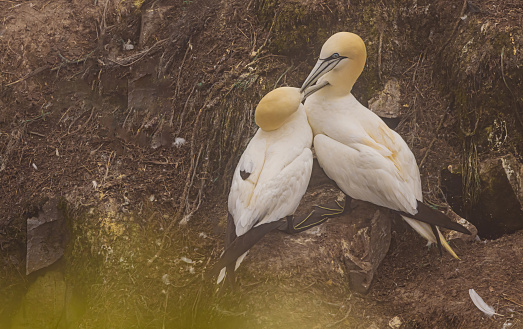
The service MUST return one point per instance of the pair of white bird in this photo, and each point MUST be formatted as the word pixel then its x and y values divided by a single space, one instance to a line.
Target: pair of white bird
pixel 355 148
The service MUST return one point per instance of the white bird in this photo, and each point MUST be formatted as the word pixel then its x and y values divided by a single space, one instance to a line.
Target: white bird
pixel 355 147
pixel 271 177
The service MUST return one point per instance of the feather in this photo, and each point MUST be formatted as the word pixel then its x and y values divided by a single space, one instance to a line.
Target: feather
pixel 221 275
pixel 483 307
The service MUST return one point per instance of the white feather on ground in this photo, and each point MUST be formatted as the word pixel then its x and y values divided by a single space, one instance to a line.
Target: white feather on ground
pixel 480 303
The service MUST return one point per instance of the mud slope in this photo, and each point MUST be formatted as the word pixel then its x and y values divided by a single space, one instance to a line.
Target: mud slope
pixel 133 115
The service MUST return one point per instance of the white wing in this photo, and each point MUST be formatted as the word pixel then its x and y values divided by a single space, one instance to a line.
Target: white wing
pixel 401 155
pixel 281 195
pixel 273 197
pixel 369 149
pixel 251 162
pixel 363 173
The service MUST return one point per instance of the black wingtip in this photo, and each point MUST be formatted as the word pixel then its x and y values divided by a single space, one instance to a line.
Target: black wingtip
pixel 240 245
pixel 431 216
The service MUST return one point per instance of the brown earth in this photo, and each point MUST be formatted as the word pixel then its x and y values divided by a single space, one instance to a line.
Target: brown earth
pixel 84 120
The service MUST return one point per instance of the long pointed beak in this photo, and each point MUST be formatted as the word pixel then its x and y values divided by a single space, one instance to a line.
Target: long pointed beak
pixel 312 89
pixel 322 67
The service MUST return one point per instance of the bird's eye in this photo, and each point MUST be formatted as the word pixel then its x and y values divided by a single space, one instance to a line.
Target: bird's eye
pixel 335 55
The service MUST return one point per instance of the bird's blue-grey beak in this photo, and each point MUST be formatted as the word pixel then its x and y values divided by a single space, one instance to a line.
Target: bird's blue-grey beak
pixel 322 67
pixel 312 89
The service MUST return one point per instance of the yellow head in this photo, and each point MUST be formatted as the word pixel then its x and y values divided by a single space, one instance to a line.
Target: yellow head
pixel 275 107
pixel 342 59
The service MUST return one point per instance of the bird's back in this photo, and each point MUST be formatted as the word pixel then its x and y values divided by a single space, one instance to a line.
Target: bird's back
pixel 278 164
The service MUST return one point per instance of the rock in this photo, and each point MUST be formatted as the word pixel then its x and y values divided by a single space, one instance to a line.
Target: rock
pixel 46 237
pixel 368 244
pixel 453 235
pixel 514 171
pixel 498 210
pixel 345 249
pixel 395 322
pixel 387 103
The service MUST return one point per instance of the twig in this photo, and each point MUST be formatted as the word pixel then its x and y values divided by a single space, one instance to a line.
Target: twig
pixel 27 76
pixel 103 27
pixel 510 90
pixel 379 53
pixel 473 132
pixel 160 162
pixel 81 126
pixel 416 69
pixel 463 9
pixel 140 56
pixel 107 168
pixel 41 116
pixel 69 61
pixel 165 307
pixel 129 61
pixel 414 111
pixel 341 320
pixel 182 115
pixel 510 300
pixel 255 53
pixel 35 133
pixel 127 116
pixel 281 76
pixel 260 58
pixel 177 89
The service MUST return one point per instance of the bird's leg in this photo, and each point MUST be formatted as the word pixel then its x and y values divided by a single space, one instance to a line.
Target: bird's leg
pixel 436 233
pixel 347 207
pixel 317 216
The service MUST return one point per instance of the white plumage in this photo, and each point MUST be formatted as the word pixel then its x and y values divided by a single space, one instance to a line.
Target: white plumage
pixel 355 148
pixel 278 164
pixel 281 164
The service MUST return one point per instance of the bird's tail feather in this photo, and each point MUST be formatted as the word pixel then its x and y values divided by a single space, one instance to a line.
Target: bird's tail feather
pixel 236 251
pixel 425 231
pixel 228 269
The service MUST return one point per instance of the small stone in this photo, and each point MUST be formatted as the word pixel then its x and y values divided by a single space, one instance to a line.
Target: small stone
pixel 387 103
pixel 179 142
pixel 165 279
pixel 395 322
pixel 128 45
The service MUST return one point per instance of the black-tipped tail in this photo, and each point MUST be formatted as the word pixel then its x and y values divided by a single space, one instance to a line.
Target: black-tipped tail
pixel 240 245
pixel 431 216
